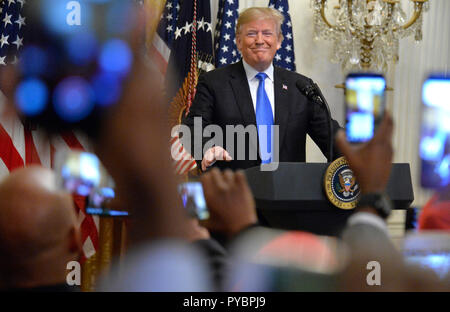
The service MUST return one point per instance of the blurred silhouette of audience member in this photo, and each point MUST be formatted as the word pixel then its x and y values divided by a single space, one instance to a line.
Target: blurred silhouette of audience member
pixel 230 202
pixel 133 145
pixel 366 232
pixel 38 232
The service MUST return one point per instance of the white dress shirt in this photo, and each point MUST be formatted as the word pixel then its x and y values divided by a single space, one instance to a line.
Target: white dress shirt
pixel 253 83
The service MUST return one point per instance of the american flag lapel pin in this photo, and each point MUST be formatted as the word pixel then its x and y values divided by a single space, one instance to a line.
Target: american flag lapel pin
pixel 284 87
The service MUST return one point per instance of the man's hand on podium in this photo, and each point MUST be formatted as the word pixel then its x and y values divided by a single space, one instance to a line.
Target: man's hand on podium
pixel 213 154
pixel 229 200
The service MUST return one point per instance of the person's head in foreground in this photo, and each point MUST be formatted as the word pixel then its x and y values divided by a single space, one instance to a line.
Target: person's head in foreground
pixel 38 230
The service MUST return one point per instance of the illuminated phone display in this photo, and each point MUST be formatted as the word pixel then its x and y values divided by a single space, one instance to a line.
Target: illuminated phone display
pixel 193 199
pixel 365 103
pixel 434 146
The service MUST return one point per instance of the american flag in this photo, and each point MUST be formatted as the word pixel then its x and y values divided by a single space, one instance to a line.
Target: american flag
pixel 285 55
pixel 160 51
pixel 23 144
pixel 226 51
pixel 192 45
pixel 163 39
pixel 185 49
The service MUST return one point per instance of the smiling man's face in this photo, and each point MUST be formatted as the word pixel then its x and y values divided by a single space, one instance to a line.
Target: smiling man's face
pixel 258 41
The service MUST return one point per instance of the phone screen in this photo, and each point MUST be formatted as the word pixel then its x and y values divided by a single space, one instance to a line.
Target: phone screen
pixel 78 172
pixel 98 203
pixel 83 174
pixel 193 199
pixel 434 142
pixel 365 103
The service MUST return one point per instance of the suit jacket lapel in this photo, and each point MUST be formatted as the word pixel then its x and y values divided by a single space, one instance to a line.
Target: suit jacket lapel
pixel 242 94
pixel 281 102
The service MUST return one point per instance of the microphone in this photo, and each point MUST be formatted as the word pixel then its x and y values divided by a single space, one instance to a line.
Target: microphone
pixel 312 92
pixel 308 89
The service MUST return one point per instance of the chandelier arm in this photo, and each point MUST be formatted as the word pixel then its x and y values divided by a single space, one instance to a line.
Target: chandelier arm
pixel 324 18
pixel 415 16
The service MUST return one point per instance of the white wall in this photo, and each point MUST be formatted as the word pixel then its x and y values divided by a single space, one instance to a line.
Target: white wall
pixel 416 61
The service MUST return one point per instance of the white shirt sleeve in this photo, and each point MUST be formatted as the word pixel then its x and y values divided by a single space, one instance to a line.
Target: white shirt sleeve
pixel 368 218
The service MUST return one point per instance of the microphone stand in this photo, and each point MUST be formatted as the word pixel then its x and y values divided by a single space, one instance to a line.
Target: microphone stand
pixel 330 126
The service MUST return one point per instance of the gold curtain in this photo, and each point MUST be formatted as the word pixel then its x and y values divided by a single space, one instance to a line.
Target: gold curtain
pixel 112 246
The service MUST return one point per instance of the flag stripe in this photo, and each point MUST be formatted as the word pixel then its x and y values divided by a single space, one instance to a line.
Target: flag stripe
pixel 88 223
pixel 8 151
pixel 3 170
pixel 159 60
pixel 187 166
pixel 71 140
pixel 161 47
pixel 42 144
pixel 14 129
pixel 31 155
pixel 183 161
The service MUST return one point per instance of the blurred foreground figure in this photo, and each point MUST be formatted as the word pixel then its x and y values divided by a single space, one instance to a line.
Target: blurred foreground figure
pixel 134 148
pixel 273 260
pixel 38 232
pixel 375 264
pixel 129 133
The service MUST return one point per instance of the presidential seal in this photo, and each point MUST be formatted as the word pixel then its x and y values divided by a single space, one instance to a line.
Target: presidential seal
pixel 340 185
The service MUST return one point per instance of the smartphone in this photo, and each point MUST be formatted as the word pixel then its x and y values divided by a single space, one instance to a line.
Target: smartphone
pixel 193 199
pixel 74 61
pixel 434 147
pixel 78 172
pixel 99 203
pixel 81 173
pixel 364 105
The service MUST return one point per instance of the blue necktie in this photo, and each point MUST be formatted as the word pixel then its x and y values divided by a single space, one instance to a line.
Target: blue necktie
pixel 264 117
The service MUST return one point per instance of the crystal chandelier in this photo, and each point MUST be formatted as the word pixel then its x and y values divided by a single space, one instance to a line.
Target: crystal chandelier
pixel 366 33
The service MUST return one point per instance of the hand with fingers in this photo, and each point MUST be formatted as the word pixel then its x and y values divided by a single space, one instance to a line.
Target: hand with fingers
pixel 229 200
pixel 213 154
pixel 194 231
pixel 371 162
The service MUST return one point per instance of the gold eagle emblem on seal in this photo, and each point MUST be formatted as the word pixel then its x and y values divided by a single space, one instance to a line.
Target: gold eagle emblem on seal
pixel 340 185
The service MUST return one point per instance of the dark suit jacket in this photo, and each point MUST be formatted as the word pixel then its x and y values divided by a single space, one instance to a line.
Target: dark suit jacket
pixel 223 98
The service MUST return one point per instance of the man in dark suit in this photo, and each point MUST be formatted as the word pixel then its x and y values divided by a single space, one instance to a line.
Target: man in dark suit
pixel 253 92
